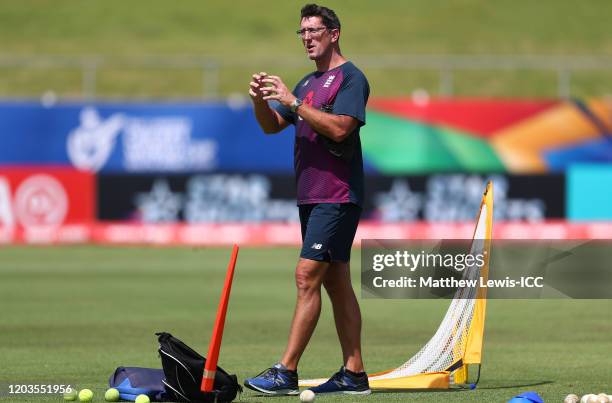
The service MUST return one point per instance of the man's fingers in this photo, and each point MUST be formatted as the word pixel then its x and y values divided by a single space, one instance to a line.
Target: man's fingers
pixel 271 79
pixel 277 80
pixel 273 96
pixel 271 87
pixel 259 76
pixel 268 89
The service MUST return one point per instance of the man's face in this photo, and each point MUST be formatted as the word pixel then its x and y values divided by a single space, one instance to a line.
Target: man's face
pixel 317 39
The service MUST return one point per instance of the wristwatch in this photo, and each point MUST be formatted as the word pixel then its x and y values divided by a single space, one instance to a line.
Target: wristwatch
pixel 296 104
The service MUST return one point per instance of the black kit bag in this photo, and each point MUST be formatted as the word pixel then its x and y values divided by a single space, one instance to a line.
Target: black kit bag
pixel 183 369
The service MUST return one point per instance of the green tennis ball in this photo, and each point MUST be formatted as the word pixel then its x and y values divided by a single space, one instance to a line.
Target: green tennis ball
pixel 85 395
pixel 142 399
pixel 70 395
pixel 111 395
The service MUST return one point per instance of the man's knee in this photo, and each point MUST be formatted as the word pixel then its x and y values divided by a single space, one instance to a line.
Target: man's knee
pixel 309 275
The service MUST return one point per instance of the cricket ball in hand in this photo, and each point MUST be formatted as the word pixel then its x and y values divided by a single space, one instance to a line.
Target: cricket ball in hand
pixel 142 399
pixel 307 396
pixel 85 395
pixel 111 395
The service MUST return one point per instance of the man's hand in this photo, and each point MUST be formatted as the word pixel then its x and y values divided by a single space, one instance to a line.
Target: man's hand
pixel 269 120
pixel 256 85
pixel 277 90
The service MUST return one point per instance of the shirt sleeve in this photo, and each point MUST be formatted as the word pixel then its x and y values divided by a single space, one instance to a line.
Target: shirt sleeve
pixel 353 96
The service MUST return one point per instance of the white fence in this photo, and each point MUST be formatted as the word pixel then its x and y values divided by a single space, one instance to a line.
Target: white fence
pixel 446 67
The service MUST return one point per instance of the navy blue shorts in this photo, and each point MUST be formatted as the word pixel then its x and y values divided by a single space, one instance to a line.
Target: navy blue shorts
pixel 328 230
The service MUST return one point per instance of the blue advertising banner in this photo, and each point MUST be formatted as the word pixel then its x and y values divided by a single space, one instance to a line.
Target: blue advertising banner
pixel 133 138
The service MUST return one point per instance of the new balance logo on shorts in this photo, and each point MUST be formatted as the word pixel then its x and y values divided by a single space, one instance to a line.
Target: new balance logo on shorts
pixel 316 246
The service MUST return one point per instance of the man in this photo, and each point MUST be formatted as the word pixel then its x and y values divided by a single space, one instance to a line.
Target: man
pixel 327 108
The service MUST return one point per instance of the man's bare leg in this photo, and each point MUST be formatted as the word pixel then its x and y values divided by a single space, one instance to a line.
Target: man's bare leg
pixel 347 314
pixel 309 275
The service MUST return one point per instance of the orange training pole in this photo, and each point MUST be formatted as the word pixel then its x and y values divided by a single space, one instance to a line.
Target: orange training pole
pixel 210 368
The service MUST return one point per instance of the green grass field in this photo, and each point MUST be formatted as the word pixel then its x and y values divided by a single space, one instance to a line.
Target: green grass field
pixel 73 314
pixel 255 36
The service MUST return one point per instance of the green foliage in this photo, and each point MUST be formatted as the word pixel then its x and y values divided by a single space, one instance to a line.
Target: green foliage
pixel 73 314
